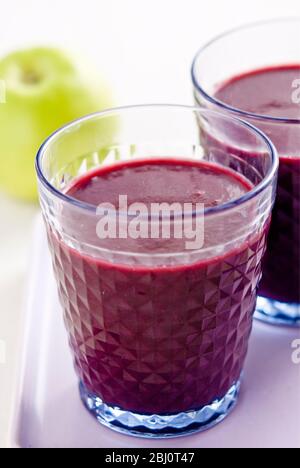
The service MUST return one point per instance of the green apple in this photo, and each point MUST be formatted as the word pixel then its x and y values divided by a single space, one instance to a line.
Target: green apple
pixel 45 89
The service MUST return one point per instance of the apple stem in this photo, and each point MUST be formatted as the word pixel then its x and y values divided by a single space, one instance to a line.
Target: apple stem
pixel 31 77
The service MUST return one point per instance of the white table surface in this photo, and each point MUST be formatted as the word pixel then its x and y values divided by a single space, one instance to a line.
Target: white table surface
pixel 145 49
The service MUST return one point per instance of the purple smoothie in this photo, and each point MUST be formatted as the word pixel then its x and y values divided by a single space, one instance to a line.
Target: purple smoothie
pixel 268 92
pixel 161 339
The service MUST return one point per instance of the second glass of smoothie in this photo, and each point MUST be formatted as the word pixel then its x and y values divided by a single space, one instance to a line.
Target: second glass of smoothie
pixel 254 73
pixel 158 317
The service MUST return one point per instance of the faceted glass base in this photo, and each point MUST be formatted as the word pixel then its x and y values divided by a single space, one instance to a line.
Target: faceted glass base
pixel 158 426
pixel 277 313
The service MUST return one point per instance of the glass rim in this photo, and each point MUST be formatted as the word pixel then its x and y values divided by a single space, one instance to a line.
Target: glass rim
pixel 255 191
pixel 222 105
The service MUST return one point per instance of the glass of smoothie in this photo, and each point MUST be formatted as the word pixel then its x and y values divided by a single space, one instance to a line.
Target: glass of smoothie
pixel 254 73
pixel 157 232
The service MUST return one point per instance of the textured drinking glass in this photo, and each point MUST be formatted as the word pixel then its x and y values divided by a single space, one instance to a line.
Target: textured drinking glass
pixel 159 338
pixel 265 46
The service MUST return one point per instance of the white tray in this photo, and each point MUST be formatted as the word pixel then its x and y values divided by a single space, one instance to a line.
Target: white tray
pixel 49 413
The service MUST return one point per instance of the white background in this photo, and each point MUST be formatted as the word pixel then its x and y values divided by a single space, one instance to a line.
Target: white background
pixel 145 48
